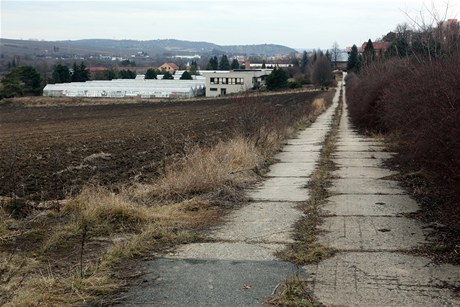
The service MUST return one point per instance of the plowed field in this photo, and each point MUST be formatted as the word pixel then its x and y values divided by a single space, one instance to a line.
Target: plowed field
pixel 49 152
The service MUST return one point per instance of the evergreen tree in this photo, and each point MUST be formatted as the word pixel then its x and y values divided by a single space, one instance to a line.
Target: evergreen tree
pixel 186 76
pixel 213 63
pixel 369 52
pixel 21 81
pixel 167 76
pixel 61 74
pixel 277 79
pixel 127 74
pixel 304 62
pixel 151 74
pixel 194 68
pixel 224 64
pixel 352 64
pixel 80 73
pixel 264 64
pixel 235 64
pixel 110 74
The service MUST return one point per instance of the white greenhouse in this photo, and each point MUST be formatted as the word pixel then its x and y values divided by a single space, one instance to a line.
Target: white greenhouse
pixel 121 88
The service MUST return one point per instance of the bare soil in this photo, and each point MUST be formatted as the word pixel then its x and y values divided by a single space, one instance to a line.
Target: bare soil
pixel 50 152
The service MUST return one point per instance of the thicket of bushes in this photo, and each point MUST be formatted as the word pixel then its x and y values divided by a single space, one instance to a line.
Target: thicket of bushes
pixel 417 103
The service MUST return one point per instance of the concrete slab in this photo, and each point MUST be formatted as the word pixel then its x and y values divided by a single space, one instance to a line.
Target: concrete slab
pixel 370 205
pixel 304 141
pixel 365 186
pixel 362 155
pixel 302 148
pixel 341 146
pixel 282 189
pixel 362 172
pixel 359 163
pixel 190 282
pixel 356 140
pixel 384 279
pixel 260 222
pixel 371 233
pixel 293 157
pixel 291 170
pixel 238 251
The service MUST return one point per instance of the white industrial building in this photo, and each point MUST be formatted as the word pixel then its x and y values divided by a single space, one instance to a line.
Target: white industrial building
pixel 210 83
pixel 121 88
pixel 221 83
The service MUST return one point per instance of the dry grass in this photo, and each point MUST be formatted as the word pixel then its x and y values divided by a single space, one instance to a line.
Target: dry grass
pixel 294 293
pixel 228 164
pixel 99 230
pixel 319 106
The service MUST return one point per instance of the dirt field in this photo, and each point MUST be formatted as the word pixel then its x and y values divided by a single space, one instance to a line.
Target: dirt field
pixel 49 152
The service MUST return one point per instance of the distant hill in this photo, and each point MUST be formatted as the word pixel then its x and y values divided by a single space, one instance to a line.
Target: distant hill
pixel 125 47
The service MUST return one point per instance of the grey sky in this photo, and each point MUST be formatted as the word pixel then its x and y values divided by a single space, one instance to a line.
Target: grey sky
pixel 294 23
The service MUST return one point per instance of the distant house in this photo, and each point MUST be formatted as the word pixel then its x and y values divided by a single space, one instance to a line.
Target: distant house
pixel 379 48
pixel 169 67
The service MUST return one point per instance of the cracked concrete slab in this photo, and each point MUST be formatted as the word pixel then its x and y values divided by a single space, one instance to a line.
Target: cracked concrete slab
pixel 341 147
pixel 358 163
pixel 298 169
pixel 383 279
pixel 215 283
pixel 365 186
pixel 284 189
pixel 371 233
pixel 296 157
pixel 362 155
pixel 370 205
pixel 362 172
pixel 260 222
pixel 228 251
pixel 303 141
pixel 302 148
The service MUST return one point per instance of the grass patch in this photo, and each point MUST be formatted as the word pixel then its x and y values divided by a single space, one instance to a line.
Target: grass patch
pixel 294 293
pixel 202 171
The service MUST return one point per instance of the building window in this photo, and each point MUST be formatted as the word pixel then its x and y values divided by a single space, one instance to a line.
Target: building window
pixel 212 80
pixel 213 89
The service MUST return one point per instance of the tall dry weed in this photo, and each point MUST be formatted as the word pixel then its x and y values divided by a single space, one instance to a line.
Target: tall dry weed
pixel 204 170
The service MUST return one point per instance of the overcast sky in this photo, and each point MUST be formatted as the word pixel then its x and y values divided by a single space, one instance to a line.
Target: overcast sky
pixel 294 23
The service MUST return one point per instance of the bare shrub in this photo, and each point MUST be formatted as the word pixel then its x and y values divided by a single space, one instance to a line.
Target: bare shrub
pixel 419 104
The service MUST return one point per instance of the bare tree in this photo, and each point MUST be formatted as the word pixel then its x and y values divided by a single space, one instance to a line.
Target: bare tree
pixel 322 72
pixel 335 51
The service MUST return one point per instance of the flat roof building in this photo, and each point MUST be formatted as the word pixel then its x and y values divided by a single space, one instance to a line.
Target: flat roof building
pixel 122 88
pixel 221 83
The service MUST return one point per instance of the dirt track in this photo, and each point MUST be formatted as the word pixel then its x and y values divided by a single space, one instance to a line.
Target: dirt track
pixel 50 152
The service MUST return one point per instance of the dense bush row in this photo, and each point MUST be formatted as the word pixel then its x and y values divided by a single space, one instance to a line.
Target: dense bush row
pixel 418 104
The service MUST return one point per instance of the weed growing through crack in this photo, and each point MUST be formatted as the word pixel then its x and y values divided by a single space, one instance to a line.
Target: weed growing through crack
pixel 294 293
